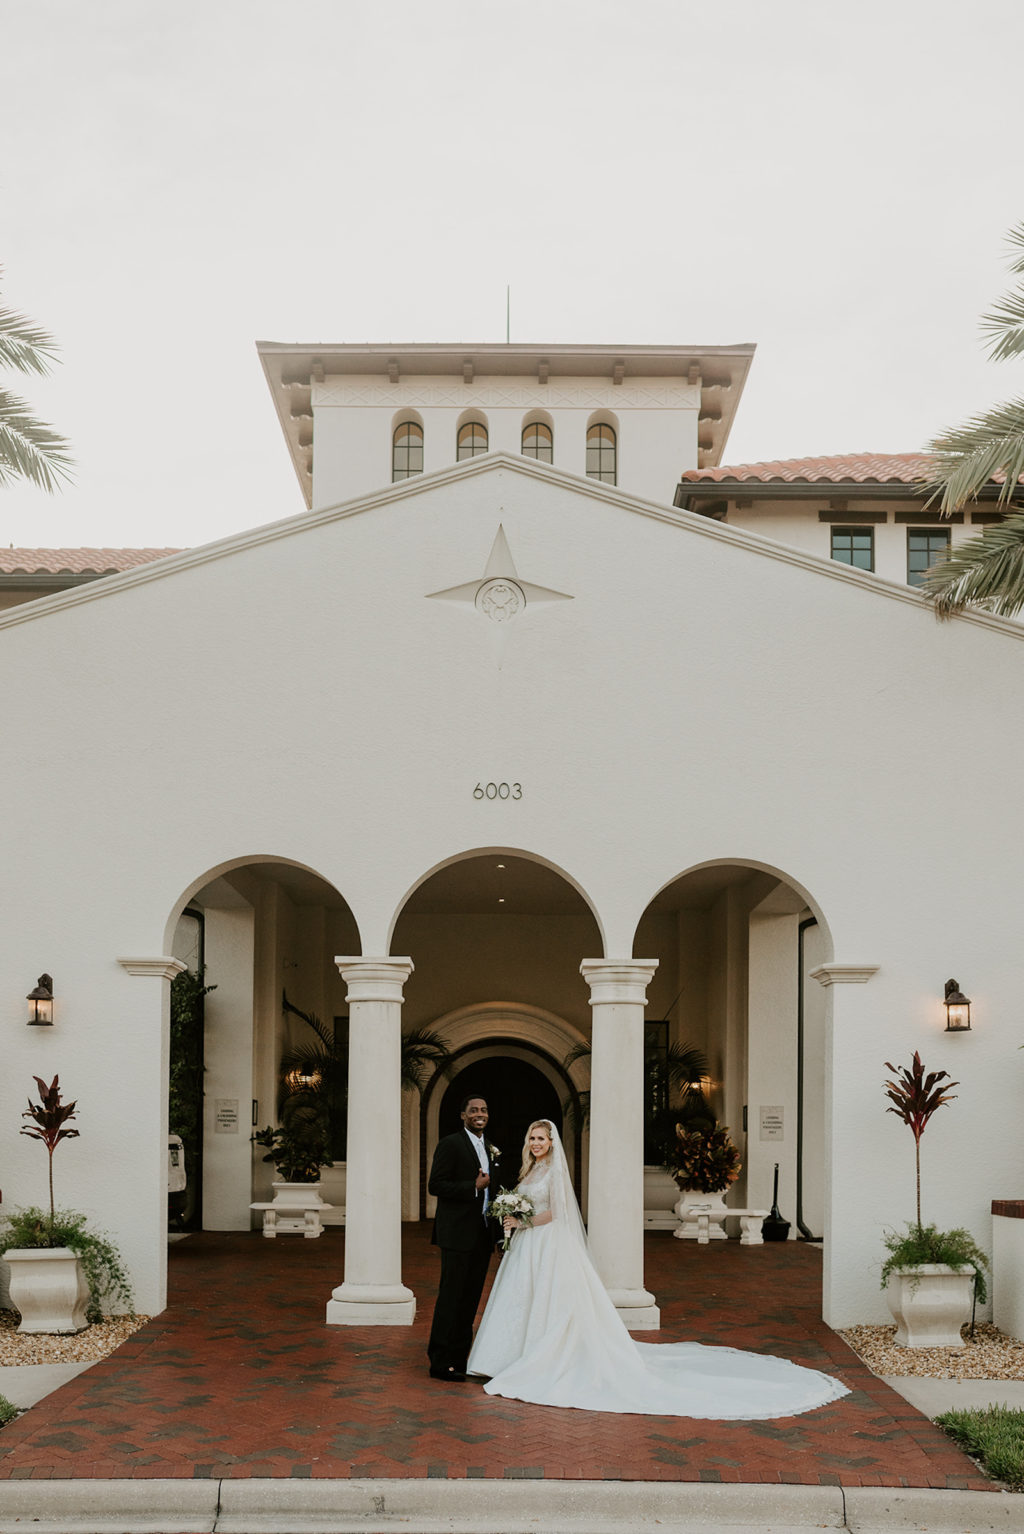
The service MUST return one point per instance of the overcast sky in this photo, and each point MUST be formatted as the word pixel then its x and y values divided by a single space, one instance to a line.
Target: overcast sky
pixel 831 181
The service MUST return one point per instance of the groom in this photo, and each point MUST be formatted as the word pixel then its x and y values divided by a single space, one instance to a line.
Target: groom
pixel 460 1178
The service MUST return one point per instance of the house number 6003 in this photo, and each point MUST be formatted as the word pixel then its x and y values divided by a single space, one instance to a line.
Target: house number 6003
pixel 498 791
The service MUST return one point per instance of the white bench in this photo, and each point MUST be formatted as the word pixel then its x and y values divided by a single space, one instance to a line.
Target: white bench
pixel 293 1218
pixel 750 1225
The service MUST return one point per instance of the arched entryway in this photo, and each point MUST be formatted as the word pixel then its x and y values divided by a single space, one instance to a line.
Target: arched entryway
pixel 740 942
pixel 516 1093
pixel 252 931
pixel 496 938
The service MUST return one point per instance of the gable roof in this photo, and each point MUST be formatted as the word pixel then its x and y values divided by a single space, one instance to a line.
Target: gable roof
pixel 142 571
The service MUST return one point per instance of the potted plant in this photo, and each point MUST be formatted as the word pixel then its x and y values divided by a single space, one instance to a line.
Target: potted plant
pixel 705 1163
pixel 930 1277
pixel 60 1272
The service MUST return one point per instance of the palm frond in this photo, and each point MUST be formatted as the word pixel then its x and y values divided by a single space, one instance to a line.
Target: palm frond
pixel 986 572
pixel 966 457
pixel 684 1067
pixel 1004 324
pixel 23 345
pixel 29 449
pixel 424 1051
pixel 323 1033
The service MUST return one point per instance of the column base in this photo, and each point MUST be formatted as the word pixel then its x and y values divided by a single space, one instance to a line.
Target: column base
pixel 371 1305
pixel 638 1309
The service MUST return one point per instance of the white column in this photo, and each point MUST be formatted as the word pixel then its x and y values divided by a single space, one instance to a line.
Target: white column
pixel 145 1063
pixel 853 1075
pixel 618 995
pixel 373 1293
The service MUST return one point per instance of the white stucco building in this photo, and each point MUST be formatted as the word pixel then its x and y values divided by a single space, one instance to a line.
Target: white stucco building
pixel 502 742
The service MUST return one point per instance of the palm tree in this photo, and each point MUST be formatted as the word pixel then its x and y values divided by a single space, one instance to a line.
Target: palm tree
pixel 986 571
pixel 29 449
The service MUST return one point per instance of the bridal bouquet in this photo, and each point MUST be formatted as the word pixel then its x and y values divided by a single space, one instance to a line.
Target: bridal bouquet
pixel 516 1205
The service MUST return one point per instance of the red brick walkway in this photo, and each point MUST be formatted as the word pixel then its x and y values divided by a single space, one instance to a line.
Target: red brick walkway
pixel 240 1377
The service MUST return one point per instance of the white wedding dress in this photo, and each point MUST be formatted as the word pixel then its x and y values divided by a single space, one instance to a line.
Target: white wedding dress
pixel 551 1335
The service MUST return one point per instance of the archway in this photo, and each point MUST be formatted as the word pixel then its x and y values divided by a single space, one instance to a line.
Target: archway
pixel 256 929
pixel 497 938
pixel 516 1092
pixel 740 940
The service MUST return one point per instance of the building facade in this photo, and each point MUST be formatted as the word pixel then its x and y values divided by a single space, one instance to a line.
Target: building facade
pixel 511 751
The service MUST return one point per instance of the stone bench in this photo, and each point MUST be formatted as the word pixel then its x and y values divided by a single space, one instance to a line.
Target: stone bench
pixel 750 1224
pixel 293 1218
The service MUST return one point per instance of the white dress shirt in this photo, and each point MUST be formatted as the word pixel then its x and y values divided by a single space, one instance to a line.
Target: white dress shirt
pixel 477 1142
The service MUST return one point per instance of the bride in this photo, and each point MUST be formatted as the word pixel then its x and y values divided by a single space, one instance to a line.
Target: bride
pixel 551 1335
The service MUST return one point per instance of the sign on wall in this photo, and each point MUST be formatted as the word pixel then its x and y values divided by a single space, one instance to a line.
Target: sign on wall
pixel 225 1116
pixel 772 1123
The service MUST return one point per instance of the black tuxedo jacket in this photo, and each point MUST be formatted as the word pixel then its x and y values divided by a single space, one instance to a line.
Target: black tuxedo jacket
pixel 460 1203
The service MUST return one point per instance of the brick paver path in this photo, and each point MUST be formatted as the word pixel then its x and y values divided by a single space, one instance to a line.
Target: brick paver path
pixel 240 1377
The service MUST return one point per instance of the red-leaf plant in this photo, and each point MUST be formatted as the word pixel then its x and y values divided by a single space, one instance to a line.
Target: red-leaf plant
pixel 915 1097
pixel 49 1119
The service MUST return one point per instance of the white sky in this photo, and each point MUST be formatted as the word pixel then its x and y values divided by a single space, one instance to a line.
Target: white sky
pixel 832 181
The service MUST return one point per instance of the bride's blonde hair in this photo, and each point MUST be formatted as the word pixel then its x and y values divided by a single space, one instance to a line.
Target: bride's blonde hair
pixel 529 1159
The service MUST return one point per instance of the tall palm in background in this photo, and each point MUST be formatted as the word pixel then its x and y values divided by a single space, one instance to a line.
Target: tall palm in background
pixel 986 571
pixel 29 449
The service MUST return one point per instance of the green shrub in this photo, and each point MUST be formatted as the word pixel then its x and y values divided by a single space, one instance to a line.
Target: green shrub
pixel 925 1243
pixel 8 1411
pixel 101 1261
pixel 992 1434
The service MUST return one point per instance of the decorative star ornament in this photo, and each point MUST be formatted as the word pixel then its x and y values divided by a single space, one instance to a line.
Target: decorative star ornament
pixel 500 594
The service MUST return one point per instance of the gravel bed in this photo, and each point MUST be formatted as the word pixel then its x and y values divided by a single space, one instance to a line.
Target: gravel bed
pixel 990 1355
pixel 84 1347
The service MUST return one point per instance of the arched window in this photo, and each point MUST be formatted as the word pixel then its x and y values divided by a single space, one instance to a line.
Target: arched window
pixel 407 450
pixel 539 442
pixel 470 440
pixel 601 454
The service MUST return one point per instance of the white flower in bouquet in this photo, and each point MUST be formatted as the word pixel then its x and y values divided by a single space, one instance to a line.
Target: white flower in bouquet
pixel 511 1206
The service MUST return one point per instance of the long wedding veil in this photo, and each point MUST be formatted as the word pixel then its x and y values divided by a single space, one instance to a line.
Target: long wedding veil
pixel 564 1208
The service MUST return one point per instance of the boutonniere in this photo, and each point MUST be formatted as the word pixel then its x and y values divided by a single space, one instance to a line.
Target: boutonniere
pixel 494 1153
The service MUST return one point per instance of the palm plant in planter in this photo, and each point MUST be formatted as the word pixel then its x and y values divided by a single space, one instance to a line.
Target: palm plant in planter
pixel 705 1163
pixel 60 1271
pixel 930 1277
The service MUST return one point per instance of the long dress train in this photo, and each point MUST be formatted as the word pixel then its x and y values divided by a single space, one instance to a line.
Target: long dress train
pixel 551 1335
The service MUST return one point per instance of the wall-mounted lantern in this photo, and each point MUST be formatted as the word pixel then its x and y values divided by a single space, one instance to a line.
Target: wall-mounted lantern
pixel 958 1009
pixel 40 1003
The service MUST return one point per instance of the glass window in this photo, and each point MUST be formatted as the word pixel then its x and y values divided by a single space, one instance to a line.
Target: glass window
pixel 925 547
pixel 854 546
pixel 471 440
pixel 538 442
pixel 601 454
pixel 407 450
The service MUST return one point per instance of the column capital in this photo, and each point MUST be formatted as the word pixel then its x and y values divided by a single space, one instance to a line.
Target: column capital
pixel 373 979
pixel 164 967
pixel 844 974
pixel 618 980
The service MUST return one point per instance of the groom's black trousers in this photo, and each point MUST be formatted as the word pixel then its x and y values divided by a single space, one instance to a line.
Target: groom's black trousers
pixel 458 1295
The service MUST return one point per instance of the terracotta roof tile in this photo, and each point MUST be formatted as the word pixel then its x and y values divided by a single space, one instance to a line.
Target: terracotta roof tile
pixel 76 561
pixel 857 468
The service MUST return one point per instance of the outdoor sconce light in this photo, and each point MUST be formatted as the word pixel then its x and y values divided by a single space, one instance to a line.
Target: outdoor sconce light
pixel 303 1081
pixel 958 1009
pixel 40 1003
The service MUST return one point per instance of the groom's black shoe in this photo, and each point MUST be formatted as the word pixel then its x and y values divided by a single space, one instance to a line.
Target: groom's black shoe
pixel 453 1376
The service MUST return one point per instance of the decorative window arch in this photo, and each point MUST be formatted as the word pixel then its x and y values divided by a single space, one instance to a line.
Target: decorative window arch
pixel 406 450
pixel 470 440
pixel 602 452
pixel 538 441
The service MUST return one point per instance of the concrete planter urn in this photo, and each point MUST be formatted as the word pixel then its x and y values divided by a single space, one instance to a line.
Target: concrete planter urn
pixel 712 1204
pixel 48 1287
pixel 660 1198
pixel 930 1304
